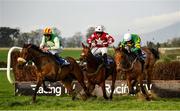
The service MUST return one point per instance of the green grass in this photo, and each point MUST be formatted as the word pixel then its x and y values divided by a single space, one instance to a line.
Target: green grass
pixel 67 52
pixel 8 101
pixel 72 53
pixel 3 55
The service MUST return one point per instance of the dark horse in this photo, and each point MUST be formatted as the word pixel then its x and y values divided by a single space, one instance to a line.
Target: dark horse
pixel 49 70
pixel 128 63
pixel 97 72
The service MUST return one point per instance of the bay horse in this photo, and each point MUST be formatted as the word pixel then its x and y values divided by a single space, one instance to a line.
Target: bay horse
pixel 133 69
pixel 48 69
pixel 127 62
pixel 96 71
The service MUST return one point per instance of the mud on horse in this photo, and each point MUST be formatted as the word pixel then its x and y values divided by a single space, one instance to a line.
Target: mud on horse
pixel 97 72
pixel 49 70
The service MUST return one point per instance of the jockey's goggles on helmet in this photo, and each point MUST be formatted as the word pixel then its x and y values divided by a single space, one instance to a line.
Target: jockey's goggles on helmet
pixel 47 35
pixel 129 42
pixel 98 32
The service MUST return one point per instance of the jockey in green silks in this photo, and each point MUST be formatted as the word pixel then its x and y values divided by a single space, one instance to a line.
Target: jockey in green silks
pixel 51 43
pixel 133 41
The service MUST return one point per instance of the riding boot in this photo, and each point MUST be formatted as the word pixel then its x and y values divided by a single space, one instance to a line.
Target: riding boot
pixel 60 60
pixel 105 59
pixel 141 58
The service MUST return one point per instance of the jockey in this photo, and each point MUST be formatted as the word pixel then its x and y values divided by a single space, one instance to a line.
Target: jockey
pixel 133 41
pixel 99 41
pixel 51 43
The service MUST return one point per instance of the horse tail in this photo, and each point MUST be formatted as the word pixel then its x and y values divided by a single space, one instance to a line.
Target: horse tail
pixel 155 52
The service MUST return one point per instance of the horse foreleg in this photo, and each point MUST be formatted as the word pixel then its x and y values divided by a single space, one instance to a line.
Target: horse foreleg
pixel 143 88
pixel 104 90
pixel 39 82
pixel 128 79
pixel 113 85
pixel 68 85
pixel 85 88
pixel 134 84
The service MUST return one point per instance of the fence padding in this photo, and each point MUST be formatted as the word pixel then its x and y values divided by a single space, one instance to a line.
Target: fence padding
pixel 26 73
pixel 166 71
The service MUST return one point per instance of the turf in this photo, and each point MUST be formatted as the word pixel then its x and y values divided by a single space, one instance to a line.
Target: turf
pixel 8 101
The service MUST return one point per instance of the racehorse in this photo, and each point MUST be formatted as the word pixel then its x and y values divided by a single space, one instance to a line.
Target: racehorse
pixel 97 72
pixel 128 63
pixel 132 67
pixel 48 69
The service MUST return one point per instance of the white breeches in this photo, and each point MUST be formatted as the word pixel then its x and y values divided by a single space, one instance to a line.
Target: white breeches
pixel 55 51
pixel 97 50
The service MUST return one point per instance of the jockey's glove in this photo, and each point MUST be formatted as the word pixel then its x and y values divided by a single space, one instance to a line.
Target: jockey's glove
pixel 135 50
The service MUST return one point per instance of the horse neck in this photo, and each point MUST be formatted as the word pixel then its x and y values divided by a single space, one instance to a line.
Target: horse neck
pixel 92 62
pixel 36 56
pixel 126 61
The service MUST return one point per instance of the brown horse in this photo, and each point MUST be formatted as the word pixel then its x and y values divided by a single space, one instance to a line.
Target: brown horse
pixel 97 72
pixel 132 67
pixel 49 70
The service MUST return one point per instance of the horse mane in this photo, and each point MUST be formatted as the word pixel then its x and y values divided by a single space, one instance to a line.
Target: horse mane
pixel 35 48
pixel 125 51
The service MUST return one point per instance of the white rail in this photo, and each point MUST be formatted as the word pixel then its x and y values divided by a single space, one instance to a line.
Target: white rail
pixel 9 63
pixel 4 69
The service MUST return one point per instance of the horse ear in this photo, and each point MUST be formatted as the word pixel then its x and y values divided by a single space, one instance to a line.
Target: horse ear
pixel 89 46
pixel 83 45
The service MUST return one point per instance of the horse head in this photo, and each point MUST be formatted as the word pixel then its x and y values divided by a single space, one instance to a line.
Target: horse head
pixel 26 53
pixel 86 51
pixel 121 59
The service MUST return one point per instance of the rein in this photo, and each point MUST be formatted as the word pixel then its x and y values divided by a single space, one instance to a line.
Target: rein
pixel 24 60
pixel 132 66
pixel 93 73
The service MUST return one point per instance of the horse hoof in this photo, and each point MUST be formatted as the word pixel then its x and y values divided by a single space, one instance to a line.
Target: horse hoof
pixel 84 97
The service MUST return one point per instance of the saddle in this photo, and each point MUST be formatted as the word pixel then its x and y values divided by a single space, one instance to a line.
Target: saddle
pixel 100 59
pixel 61 61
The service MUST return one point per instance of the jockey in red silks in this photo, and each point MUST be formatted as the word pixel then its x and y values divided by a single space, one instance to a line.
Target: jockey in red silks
pixel 99 41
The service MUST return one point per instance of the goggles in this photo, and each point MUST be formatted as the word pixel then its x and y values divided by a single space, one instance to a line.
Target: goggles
pixel 47 34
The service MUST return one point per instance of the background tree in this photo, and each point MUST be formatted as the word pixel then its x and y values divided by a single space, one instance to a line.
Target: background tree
pixel 8 36
pixel 74 41
pixel 90 31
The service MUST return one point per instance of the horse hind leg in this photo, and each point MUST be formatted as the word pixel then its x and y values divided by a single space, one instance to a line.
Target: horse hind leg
pixel 68 85
pixel 113 85
pixel 104 90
